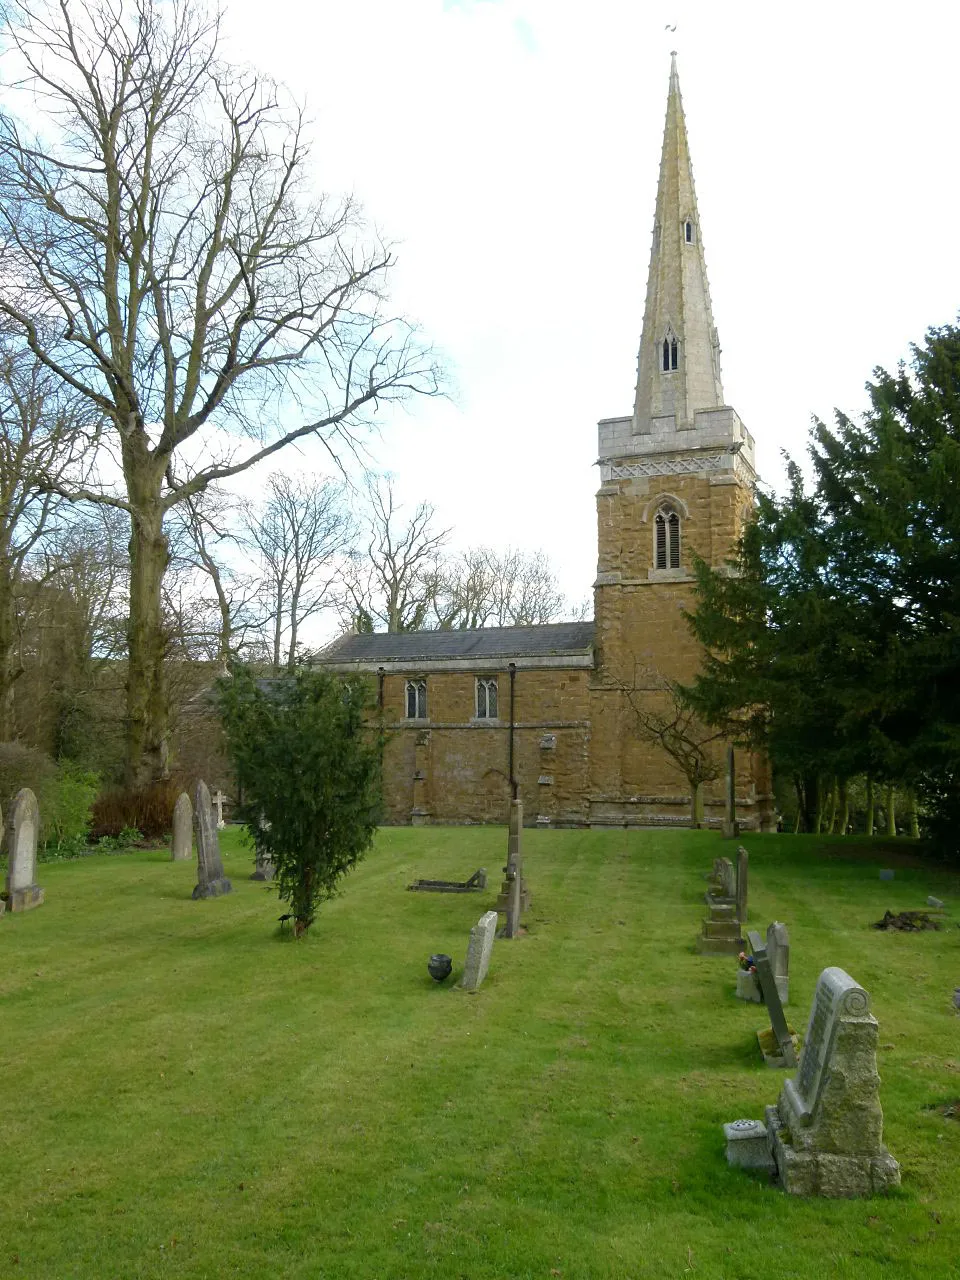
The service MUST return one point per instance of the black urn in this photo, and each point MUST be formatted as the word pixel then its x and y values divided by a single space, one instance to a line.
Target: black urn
pixel 440 967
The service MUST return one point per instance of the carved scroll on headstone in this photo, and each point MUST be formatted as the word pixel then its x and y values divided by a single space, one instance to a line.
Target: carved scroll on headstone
pixel 23 828
pixel 211 881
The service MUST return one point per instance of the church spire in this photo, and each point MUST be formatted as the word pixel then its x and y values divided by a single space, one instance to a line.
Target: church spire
pixel 679 363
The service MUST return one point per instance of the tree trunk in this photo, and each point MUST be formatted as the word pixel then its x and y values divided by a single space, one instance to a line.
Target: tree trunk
pixel 147 704
pixel 912 817
pixel 870 806
pixel 844 808
pixel 10 667
pixel 696 804
pixel 891 811
pixel 832 825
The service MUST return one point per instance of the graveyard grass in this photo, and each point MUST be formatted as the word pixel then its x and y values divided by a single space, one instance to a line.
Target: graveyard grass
pixel 186 1094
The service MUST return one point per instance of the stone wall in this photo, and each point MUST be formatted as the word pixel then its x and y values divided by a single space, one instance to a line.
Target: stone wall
pixel 454 768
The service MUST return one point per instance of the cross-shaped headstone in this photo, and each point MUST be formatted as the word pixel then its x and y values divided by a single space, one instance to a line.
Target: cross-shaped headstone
pixel 218 800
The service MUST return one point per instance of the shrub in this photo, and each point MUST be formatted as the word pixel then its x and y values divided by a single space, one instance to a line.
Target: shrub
pixel 147 810
pixel 64 794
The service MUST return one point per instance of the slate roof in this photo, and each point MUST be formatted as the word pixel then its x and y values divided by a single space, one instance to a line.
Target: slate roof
pixel 555 639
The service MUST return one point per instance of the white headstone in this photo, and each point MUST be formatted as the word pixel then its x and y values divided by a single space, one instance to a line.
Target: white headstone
pixel 23 827
pixel 478 951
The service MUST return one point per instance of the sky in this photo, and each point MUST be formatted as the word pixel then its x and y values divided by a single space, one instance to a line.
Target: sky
pixel 509 150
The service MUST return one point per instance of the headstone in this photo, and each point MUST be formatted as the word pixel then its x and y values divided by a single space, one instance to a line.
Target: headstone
pixel 218 800
pixel 785 1052
pixel 720 931
pixel 478 951
pixel 182 843
pixel 743 867
pixel 886 874
pixel 778 952
pixel 827 1127
pixel 211 882
pixel 731 828
pixel 513 873
pixel 935 902
pixel 263 868
pixel 515 831
pixel 23 827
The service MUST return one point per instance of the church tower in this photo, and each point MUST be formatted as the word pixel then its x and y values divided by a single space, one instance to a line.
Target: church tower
pixel 677 480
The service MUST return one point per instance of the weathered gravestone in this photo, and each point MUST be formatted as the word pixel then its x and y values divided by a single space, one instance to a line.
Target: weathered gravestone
pixel 211 882
pixel 263 867
pixel 182 842
pixel 478 951
pixel 826 1132
pixel 720 933
pixel 777 1046
pixel 778 953
pixel 743 869
pixel 23 827
pixel 218 799
pixel 514 896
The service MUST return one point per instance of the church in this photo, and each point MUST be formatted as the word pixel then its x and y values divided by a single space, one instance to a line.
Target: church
pixel 548 712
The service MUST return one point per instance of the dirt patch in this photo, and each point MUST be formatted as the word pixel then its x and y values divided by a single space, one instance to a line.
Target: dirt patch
pixel 908 921
pixel 951 1110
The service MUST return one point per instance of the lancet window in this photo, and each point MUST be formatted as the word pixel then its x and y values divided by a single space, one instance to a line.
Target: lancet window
pixel 666 535
pixel 670 353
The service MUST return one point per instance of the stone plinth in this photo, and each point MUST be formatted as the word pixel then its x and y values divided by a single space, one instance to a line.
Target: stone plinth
pixel 748 1145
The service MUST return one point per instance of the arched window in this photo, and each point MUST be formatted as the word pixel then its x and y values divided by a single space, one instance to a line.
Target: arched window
pixel 688 231
pixel 670 354
pixel 666 534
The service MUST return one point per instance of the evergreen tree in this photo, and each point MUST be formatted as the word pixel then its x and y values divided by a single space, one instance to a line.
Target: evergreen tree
pixel 308 768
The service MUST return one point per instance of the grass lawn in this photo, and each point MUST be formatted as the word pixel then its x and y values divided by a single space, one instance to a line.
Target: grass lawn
pixel 184 1094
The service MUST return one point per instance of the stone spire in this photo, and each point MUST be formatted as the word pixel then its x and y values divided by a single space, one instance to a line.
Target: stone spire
pixel 679 364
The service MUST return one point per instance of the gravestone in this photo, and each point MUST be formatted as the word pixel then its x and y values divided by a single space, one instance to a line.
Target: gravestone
pixel 23 827
pixel 182 842
pixel 778 953
pixel 784 1054
pixel 478 951
pixel 720 933
pixel 263 868
pixel 731 828
pixel 826 1129
pixel 514 895
pixel 218 800
pixel 211 882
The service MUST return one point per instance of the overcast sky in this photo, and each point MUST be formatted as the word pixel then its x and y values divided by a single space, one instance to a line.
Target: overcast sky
pixel 509 148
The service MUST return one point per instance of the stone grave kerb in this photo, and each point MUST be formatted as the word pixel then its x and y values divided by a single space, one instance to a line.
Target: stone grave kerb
pixel 21 833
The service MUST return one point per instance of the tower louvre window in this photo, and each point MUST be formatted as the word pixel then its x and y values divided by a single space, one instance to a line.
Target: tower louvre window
pixel 666 527
pixel 688 231
pixel 671 354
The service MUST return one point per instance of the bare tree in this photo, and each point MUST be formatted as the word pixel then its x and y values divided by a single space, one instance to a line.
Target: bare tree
pixel 302 536
pixel 392 581
pixel 206 554
pixel 483 588
pixel 158 221
pixel 41 434
pixel 660 716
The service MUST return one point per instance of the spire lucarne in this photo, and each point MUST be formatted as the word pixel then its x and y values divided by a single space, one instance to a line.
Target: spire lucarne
pixel 679 362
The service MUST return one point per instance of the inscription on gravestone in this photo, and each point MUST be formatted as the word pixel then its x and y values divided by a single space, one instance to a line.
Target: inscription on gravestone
pixel 837 995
